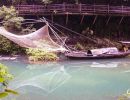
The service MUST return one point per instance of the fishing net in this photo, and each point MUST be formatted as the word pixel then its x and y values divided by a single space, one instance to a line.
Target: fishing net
pixel 45 79
pixel 39 39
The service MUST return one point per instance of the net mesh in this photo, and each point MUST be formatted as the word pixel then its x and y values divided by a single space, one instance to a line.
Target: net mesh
pixel 47 81
pixel 39 39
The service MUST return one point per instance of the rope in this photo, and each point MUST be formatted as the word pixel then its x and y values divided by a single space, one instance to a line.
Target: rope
pixel 59 36
pixel 51 24
pixel 73 31
pixel 43 20
pixel 50 28
pixel 56 35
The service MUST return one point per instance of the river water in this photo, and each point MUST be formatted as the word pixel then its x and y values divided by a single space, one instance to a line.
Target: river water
pixel 70 80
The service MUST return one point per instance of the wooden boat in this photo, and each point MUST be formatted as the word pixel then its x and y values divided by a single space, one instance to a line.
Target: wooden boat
pixel 84 55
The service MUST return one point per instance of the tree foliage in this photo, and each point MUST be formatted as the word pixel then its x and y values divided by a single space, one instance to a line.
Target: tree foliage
pixel 10 18
pixel 29 29
pixel 11 22
pixel 8 47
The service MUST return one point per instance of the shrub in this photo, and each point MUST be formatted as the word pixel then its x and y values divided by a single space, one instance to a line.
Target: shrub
pixel 79 46
pixel 10 19
pixel 8 47
pixel 12 23
pixel 5 77
pixel 41 55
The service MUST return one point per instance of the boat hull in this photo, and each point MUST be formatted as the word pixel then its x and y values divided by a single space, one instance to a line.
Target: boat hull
pixel 83 55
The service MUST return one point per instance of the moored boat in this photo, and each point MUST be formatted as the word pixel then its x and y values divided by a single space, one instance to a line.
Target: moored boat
pixel 83 55
pixel 103 55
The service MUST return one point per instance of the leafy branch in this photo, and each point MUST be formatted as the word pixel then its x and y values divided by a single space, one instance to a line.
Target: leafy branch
pixel 5 77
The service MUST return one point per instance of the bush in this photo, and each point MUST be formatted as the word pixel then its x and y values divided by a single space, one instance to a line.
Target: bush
pixel 8 47
pixel 10 19
pixel 41 55
pixel 79 46
pixel 12 23
pixel 5 77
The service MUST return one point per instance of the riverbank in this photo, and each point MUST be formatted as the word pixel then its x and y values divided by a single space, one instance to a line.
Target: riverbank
pixel 12 57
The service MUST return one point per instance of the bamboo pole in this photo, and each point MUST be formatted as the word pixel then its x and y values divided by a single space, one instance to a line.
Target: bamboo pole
pixel 121 20
pixel 108 20
pixel 95 19
pixel 52 18
pixel 67 17
pixel 82 19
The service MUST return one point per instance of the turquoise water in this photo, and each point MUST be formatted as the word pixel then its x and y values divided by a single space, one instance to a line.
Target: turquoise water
pixel 70 80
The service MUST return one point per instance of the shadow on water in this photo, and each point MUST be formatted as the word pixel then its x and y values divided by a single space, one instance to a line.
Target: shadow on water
pixel 70 80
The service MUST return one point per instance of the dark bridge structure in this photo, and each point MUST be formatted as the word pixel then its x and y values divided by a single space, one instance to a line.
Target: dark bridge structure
pixel 82 9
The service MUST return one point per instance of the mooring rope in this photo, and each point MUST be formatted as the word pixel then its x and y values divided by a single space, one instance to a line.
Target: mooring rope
pixel 55 33
pixel 72 31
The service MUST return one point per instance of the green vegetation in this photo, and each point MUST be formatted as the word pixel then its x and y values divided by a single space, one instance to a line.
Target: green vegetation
pixel 7 47
pixel 41 55
pixel 11 22
pixel 5 77
pixel 79 46
pixel 10 18
pixel 29 29
pixel 98 32
pixel 125 96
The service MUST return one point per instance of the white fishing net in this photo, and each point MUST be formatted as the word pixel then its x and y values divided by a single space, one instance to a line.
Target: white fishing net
pixel 39 39
pixel 47 81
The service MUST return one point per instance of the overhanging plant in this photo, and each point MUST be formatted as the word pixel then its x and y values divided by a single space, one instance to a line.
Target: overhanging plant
pixel 5 77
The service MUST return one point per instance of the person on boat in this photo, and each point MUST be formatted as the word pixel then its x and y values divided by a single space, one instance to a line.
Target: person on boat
pixel 89 53
pixel 124 48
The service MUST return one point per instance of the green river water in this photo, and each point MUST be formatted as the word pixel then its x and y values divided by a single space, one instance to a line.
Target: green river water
pixel 70 80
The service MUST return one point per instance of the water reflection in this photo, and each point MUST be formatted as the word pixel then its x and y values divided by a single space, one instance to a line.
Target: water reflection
pixel 72 79
pixel 108 63
pixel 46 79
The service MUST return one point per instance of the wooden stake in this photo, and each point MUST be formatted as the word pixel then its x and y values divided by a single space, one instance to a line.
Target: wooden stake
pixel 108 20
pixel 52 18
pixel 95 19
pixel 82 19
pixel 67 18
pixel 121 20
